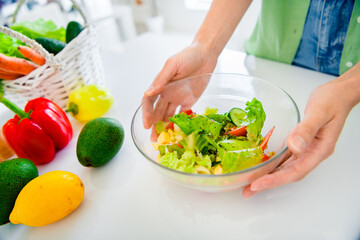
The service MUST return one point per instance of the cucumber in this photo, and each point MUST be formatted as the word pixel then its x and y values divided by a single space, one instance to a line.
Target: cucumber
pixel 237 115
pixel 51 45
pixel 73 29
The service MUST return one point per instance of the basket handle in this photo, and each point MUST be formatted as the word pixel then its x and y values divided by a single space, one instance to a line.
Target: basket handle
pixel 50 59
pixel 76 5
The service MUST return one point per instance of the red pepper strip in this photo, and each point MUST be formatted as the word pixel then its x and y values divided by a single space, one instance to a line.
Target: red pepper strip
pixel 265 158
pixel 179 145
pixel 37 133
pixel 170 126
pixel 189 112
pixel 240 131
pixel 264 143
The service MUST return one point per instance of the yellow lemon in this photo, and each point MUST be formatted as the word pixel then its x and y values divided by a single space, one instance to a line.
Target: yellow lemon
pixel 47 199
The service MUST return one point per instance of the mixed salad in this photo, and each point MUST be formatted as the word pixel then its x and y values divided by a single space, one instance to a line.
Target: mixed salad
pixel 213 143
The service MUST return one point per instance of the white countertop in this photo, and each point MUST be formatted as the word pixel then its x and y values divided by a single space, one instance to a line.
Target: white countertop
pixel 128 199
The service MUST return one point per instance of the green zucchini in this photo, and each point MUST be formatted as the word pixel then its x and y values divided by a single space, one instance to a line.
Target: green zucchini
pixel 73 29
pixel 51 45
pixel 237 116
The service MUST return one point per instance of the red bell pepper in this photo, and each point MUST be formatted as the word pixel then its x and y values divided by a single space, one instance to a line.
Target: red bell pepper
pixel 39 131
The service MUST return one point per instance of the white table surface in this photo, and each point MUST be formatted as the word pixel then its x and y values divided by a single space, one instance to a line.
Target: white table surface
pixel 128 199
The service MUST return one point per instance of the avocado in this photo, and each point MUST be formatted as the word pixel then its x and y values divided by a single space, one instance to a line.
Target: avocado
pixel 73 29
pixel 99 141
pixel 14 175
pixel 51 45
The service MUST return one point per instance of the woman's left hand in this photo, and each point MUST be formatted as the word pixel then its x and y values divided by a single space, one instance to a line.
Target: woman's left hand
pixel 314 138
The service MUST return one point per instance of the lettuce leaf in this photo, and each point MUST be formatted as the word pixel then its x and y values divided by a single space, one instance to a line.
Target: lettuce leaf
pixel 184 123
pixel 173 147
pixel 160 127
pixel 220 118
pixel 40 28
pixel 204 161
pixel 189 125
pixel 255 120
pixel 184 164
pixel 9 45
pixel 235 144
pixel 233 161
pixel 197 141
pixel 209 111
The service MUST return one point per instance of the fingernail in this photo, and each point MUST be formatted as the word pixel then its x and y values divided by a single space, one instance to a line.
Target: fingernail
pixel 298 143
pixel 248 195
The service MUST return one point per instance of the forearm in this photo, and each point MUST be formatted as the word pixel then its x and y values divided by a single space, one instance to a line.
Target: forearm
pixel 220 23
pixel 349 85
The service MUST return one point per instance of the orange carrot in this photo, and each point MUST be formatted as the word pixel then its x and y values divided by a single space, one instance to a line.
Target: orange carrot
pixel 32 55
pixel 16 65
pixel 10 76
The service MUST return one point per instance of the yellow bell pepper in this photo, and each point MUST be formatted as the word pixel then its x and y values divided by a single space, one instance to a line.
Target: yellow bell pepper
pixel 89 102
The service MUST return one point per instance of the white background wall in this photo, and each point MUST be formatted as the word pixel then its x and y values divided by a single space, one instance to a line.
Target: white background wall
pixel 132 18
pixel 181 20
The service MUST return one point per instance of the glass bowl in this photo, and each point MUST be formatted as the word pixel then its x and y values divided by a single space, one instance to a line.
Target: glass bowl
pixel 223 91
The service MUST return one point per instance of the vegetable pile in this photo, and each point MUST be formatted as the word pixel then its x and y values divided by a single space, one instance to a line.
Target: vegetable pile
pixel 37 132
pixel 17 60
pixel 214 143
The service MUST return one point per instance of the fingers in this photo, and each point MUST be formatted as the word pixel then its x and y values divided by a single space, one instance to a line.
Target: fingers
pixel 185 107
pixel 166 74
pixel 305 131
pixel 147 112
pixel 170 111
pixel 160 109
pixel 292 170
pixel 153 135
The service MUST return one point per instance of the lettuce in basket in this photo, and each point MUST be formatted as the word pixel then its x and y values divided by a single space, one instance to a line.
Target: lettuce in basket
pixel 40 28
pixel 8 46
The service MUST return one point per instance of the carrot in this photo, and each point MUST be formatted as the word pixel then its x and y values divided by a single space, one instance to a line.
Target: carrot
pixel 10 76
pixel 16 65
pixel 32 55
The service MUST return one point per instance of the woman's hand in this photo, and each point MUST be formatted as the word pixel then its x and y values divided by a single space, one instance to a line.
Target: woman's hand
pixel 193 60
pixel 314 138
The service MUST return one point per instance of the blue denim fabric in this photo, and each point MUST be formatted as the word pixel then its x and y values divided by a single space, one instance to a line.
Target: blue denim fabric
pixel 324 35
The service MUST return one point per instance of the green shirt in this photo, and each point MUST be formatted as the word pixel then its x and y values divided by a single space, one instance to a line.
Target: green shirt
pixel 279 28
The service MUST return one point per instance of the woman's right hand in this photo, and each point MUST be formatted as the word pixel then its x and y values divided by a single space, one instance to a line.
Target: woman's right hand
pixel 193 60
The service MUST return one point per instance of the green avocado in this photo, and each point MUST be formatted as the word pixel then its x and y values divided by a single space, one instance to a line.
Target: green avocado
pixel 51 45
pixel 14 175
pixel 99 141
pixel 73 29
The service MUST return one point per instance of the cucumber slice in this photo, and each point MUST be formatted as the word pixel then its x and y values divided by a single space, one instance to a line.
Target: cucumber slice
pixel 237 116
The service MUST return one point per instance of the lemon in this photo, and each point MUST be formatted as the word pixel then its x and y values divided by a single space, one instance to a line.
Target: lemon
pixel 47 199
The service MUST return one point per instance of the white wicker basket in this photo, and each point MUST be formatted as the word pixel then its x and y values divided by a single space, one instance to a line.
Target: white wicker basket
pixel 78 64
